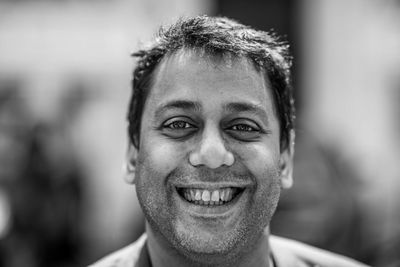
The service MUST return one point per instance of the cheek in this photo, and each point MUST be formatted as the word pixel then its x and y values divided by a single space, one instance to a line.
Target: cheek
pixel 259 158
pixel 162 156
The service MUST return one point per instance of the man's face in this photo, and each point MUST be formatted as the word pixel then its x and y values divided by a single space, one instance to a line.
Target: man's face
pixel 209 163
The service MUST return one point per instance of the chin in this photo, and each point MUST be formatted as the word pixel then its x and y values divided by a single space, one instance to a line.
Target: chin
pixel 206 245
pixel 216 248
pixel 203 253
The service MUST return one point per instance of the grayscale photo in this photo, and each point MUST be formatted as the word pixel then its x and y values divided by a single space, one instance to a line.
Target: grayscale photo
pixel 207 133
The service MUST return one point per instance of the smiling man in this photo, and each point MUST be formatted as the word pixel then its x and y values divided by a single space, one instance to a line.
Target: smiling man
pixel 211 125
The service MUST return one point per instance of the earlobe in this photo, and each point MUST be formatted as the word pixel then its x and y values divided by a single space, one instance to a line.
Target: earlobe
pixel 286 163
pixel 130 165
pixel 286 175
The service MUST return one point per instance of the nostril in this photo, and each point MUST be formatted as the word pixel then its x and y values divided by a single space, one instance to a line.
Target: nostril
pixel 229 159
pixel 194 159
pixel 212 158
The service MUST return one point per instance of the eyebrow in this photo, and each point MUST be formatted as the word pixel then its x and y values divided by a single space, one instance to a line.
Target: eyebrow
pixel 237 107
pixel 234 107
pixel 178 104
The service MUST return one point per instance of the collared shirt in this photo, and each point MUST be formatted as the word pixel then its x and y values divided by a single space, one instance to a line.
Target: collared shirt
pixel 285 253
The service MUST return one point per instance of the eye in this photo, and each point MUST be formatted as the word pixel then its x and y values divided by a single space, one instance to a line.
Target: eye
pixel 178 127
pixel 244 130
pixel 243 127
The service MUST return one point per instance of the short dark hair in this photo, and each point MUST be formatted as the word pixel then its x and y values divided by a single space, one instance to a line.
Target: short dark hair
pixel 216 36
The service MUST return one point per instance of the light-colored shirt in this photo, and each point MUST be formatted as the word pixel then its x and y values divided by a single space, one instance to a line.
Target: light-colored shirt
pixel 286 253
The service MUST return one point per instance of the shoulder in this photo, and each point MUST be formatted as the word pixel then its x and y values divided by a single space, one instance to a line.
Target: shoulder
pixel 127 256
pixel 287 252
pixel 293 253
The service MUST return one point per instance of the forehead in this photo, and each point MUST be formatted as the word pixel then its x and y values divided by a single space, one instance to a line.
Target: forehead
pixel 198 76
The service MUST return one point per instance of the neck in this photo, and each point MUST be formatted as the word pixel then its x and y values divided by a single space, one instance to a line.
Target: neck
pixel 162 252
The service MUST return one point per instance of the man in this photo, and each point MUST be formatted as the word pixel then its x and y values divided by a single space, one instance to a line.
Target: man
pixel 211 125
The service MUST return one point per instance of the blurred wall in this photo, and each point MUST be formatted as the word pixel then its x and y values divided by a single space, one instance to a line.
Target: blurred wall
pixel 351 94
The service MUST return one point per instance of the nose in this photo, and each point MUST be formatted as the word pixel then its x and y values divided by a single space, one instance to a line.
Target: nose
pixel 211 151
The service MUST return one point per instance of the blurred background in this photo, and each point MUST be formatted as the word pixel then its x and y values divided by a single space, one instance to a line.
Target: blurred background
pixel 65 72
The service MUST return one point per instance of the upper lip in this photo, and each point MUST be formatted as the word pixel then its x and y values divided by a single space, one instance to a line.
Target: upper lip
pixel 212 186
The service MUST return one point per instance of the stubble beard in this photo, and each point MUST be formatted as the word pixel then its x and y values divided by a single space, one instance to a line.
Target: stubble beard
pixel 218 250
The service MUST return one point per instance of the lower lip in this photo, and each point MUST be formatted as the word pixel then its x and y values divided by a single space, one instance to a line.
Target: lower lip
pixel 208 211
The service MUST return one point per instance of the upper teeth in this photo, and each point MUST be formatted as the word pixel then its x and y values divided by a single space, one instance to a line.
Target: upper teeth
pixel 208 197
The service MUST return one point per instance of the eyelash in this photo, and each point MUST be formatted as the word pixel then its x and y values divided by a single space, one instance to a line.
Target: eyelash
pixel 180 128
pixel 248 128
pixel 180 124
pixel 173 125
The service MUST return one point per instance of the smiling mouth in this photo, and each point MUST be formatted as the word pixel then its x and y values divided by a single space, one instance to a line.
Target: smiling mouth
pixel 205 197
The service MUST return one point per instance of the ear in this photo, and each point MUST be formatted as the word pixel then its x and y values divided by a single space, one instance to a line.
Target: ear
pixel 286 163
pixel 130 164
